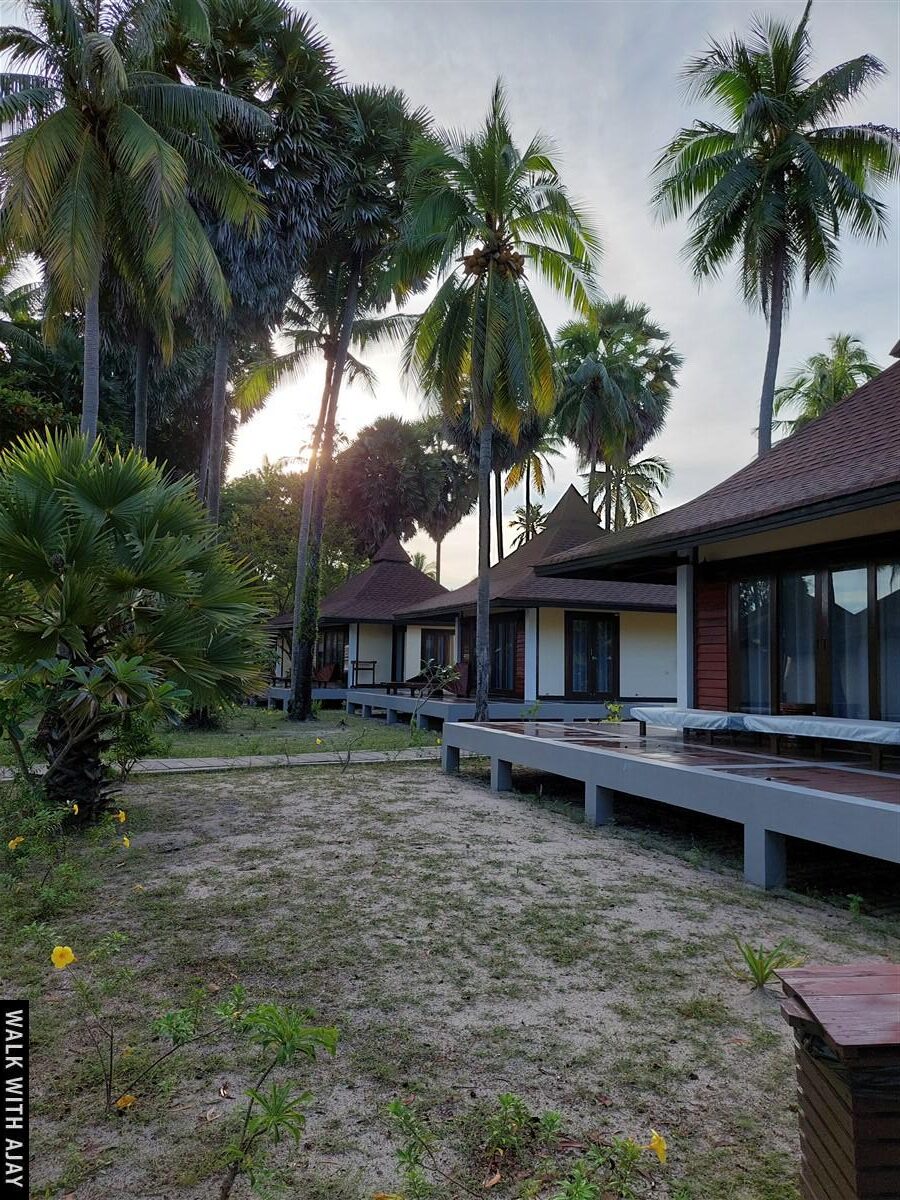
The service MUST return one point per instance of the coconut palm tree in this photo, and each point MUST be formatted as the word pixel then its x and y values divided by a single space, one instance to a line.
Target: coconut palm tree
pixel 96 169
pixel 778 182
pixel 631 489
pixel 116 599
pixel 616 371
pixel 822 380
pixel 533 466
pixel 529 520
pixel 486 212
pixel 420 561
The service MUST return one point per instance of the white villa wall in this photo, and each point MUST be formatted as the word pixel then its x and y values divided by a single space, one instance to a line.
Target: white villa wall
pixel 551 680
pixel 647 656
pixel 647 666
pixel 413 659
pixel 374 642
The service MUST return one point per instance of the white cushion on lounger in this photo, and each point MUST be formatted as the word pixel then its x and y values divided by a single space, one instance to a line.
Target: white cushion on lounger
pixel 840 729
pixel 686 718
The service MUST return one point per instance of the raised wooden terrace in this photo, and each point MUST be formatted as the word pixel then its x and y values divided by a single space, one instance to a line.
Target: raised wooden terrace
pixel 830 802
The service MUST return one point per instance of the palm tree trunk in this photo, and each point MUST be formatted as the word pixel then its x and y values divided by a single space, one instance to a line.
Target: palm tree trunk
pixel 141 373
pixel 592 479
pixel 90 395
pixel 776 317
pixel 309 492
pixel 529 532
pixel 307 632
pixel 607 499
pixel 217 428
pixel 483 603
pixel 203 470
pixel 438 542
pixel 498 494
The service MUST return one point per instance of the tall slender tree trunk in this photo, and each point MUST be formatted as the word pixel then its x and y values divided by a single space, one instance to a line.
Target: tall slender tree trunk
pixel 217 428
pixel 308 630
pixel 438 542
pixel 203 469
pixel 592 479
pixel 90 394
pixel 483 602
pixel 309 492
pixel 607 498
pixel 141 374
pixel 498 497
pixel 776 318
pixel 529 531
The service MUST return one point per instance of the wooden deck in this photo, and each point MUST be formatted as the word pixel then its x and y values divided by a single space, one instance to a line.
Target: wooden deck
pixel 833 803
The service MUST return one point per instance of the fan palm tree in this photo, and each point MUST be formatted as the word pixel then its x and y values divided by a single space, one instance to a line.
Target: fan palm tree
pixel 97 168
pixel 359 255
pixel 616 372
pixel 777 183
pixel 632 488
pixel 484 212
pixel 266 54
pixel 115 596
pixel 450 488
pixel 823 379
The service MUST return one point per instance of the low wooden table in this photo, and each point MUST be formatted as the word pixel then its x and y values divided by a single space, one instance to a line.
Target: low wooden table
pixel 846 1023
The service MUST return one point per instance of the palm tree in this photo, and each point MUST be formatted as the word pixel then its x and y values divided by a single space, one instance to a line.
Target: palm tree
pixel 263 52
pixel 96 170
pixel 616 371
pixel 533 465
pixel 359 254
pixel 632 487
pixel 822 380
pixel 17 305
pixel 484 211
pixel 122 600
pixel 776 184
pixel 529 520
pixel 420 561
pixel 450 488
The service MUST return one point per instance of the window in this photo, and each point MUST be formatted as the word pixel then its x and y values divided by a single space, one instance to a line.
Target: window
pixel 436 647
pixel 887 601
pixel 754 640
pixel 848 627
pixel 797 643
pixel 591 655
pixel 504 631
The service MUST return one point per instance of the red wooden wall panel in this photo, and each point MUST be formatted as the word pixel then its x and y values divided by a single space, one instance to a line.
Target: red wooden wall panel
pixel 711 643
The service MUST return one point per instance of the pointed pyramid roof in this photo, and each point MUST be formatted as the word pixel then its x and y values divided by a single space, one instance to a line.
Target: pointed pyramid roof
pixel 515 584
pixel 389 583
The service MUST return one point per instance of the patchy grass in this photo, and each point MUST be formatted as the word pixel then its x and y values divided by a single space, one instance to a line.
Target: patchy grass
pixel 259 731
pixel 465 943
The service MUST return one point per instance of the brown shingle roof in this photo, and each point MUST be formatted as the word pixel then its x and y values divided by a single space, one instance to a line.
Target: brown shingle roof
pixel 389 583
pixel 848 458
pixel 514 582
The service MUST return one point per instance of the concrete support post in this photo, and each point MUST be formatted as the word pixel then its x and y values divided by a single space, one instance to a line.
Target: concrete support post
pixel 390 715
pixel 501 775
pixel 531 655
pixel 765 859
pixel 351 708
pixel 450 758
pixel 421 720
pixel 367 710
pixel 684 636
pixel 598 804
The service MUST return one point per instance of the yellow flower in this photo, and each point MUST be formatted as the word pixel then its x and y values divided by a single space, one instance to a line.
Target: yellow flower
pixel 16 842
pixel 318 741
pixel 121 816
pixel 437 741
pixel 126 1101
pixel 75 810
pixel 126 841
pixel 658 1145
pixel 61 956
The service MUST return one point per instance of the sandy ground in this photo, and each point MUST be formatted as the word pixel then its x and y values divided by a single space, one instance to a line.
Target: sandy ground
pixel 465 944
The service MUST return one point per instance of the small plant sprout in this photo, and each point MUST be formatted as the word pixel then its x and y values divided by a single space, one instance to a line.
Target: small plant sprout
pixel 855 904
pixel 760 965
pixel 613 712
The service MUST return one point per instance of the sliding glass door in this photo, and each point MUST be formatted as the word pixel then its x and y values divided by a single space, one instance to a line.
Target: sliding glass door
pixel 824 641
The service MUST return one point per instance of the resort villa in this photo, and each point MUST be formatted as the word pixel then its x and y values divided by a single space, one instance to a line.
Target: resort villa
pixel 788 626
pixel 360 641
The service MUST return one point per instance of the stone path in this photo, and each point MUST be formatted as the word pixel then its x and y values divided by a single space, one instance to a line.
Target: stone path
pixel 332 758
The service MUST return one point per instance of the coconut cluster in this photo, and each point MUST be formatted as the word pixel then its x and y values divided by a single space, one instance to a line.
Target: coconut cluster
pixel 506 260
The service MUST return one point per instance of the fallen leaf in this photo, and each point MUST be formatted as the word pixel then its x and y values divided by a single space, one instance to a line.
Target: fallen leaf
pixel 224 1092
pixel 492 1181
pixel 212 1114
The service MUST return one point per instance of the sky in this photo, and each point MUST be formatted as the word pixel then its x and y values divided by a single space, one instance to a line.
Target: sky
pixel 601 79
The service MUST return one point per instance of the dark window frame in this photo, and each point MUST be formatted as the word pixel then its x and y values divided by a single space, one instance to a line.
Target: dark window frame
pixel 443 635
pixel 610 618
